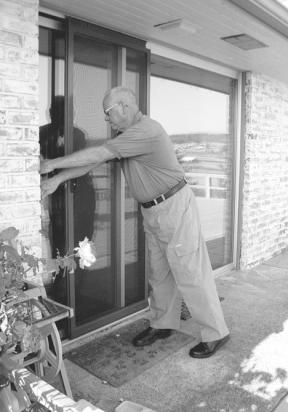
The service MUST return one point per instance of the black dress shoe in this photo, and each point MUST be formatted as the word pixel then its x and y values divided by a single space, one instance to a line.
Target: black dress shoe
pixel 206 349
pixel 150 335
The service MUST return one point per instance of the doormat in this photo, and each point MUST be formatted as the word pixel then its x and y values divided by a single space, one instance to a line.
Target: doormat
pixel 113 358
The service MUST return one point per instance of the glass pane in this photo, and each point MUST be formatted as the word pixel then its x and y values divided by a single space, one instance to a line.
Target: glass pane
pixel 95 288
pixel 134 235
pixel 51 136
pixel 198 122
pixel 52 64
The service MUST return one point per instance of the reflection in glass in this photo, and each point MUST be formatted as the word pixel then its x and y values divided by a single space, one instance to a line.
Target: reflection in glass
pixel 198 123
pixel 51 136
pixel 51 133
pixel 93 199
pixel 134 235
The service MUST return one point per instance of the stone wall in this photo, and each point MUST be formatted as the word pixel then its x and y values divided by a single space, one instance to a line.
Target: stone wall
pixel 265 192
pixel 19 148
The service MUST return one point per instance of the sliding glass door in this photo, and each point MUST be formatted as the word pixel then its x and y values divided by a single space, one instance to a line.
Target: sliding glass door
pixel 93 195
pixel 196 108
pixel 98 205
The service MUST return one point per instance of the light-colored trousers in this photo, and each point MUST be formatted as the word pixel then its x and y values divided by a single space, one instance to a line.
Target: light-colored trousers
pixel 180 267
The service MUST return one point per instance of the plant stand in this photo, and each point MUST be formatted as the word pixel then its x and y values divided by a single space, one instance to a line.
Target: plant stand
pixel 47 363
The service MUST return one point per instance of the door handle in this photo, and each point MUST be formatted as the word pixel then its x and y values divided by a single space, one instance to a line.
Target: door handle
pixel 73 185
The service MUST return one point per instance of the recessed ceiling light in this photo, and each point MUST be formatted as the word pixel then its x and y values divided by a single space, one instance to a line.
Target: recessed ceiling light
pixel 179 24
pixel 244 42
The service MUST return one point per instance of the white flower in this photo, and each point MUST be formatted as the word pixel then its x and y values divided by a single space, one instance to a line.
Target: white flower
pixel 84 251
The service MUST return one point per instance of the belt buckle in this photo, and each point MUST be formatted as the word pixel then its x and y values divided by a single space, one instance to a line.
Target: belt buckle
pixel 161 199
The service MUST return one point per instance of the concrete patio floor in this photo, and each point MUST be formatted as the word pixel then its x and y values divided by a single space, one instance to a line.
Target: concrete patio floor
pixel 248 374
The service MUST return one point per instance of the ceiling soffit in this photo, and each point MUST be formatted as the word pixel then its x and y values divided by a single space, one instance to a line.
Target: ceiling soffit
pixel 199 27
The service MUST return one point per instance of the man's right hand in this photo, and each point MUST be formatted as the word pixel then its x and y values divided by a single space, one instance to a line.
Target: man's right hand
pixel 49 186
pixel 46 166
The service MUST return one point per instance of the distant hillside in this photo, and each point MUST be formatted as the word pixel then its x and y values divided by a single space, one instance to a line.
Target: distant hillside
pixel 200 138
pixel 203 152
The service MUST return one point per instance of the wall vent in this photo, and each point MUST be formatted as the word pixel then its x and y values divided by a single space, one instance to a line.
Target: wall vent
pixel 244 42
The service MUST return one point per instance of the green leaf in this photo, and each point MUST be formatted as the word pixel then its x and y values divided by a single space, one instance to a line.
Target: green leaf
pixel 67 263
pixel 52 265
pixel 31 260
pixel 8 234
pixel 11 253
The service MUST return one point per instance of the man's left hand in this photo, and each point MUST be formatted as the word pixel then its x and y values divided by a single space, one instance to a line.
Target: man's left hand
pixel 49 186
pixel 46 166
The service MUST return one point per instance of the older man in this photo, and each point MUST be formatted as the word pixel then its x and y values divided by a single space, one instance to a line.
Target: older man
pixel 179 263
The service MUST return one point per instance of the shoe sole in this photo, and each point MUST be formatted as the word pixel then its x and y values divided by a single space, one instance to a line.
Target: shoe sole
pixel 225 339
pixel 137 345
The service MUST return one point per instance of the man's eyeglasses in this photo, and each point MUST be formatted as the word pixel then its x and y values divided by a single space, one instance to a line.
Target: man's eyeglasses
pixel 106 111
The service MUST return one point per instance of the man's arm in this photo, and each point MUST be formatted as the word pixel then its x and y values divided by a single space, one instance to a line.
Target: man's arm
pixel 49 186
pixel 90 156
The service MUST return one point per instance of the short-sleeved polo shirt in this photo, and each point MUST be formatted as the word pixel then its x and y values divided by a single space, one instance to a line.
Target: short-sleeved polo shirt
pixel 147 158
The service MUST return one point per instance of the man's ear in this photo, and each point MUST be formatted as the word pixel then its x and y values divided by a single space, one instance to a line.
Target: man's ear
pixel 124 108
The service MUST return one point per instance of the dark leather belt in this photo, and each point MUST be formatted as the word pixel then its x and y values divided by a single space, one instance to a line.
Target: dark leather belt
pixel 165 196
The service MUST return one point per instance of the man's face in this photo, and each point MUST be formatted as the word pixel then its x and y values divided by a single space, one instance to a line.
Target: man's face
pixel 116 114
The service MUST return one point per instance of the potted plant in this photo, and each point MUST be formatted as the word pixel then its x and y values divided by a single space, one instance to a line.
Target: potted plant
pixel 19 332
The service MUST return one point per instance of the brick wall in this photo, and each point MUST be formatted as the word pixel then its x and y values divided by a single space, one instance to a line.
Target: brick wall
pixel 265 192
pixel 19 149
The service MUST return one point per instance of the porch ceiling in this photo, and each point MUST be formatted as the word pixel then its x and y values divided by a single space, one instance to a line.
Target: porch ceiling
pixel 204 24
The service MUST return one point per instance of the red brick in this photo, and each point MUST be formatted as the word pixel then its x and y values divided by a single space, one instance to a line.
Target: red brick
pixel 31 14
pixel 32 165
pixel 25 226
pixel 33 195
pixel 23 149
pixel 9 38
pixel 3 181
pixel 11 8
pixel 30 73
pixel 10 71
pixel 20 210
pixel 30 102
pixel 10 101
pixel 23 118
pixel 19 73
pixel 265 172
pixel 23 180
pixel 19 86
pixel 13 133
pixel 10 24
pixel 12 196
pixel 13 54
pixel 3 117
pixel 32 133
pixel 30 42
pixel 29 56
pixel 11 165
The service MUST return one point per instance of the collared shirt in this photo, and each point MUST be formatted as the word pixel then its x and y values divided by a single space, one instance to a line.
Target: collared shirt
pixel 147 157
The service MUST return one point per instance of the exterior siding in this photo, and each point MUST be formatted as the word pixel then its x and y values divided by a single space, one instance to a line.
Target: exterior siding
pixel 19 99
pixel 265 192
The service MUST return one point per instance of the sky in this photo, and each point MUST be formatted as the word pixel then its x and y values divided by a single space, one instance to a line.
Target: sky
pixel 182 108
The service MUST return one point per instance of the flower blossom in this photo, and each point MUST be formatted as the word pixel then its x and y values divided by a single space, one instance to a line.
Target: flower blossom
pixel 85 253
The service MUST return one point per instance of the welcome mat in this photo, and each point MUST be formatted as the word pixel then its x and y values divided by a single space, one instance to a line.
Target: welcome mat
pixel 114 359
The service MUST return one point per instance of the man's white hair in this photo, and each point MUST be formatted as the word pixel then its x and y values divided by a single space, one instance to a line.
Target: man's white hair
pixel 120 93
